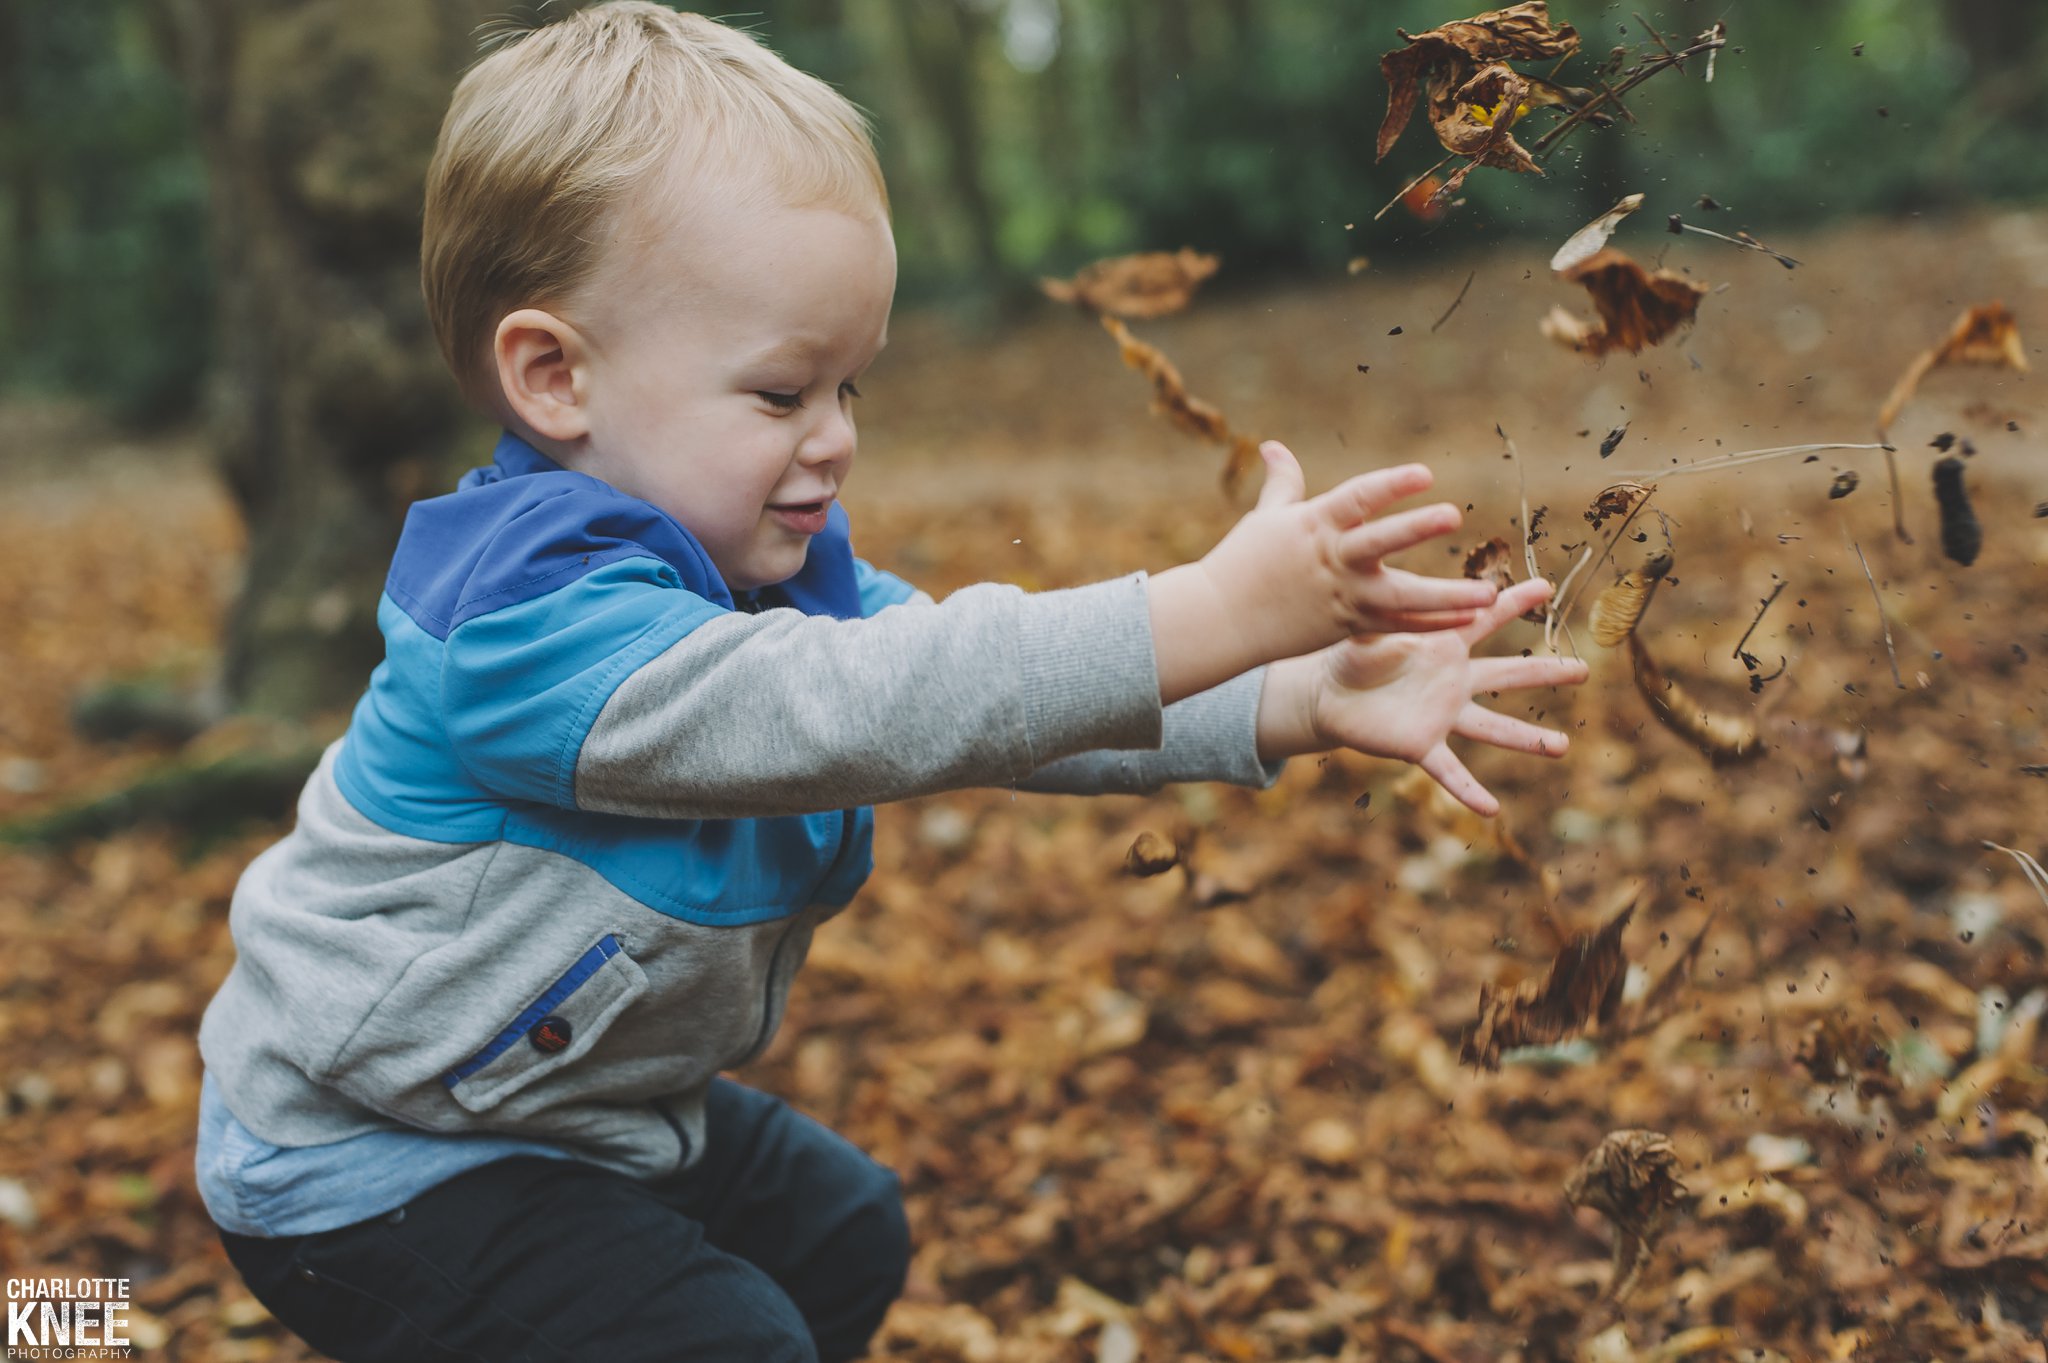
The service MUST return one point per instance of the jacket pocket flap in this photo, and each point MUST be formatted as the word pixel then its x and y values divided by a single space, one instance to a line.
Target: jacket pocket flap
pixel 556 1028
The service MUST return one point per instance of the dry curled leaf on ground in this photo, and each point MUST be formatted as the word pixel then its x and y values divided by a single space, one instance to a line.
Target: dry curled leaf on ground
pixel 1151 855
pixel 1632 1178
pixel 1619 609
pixel 1182 409
pixel 1986 334
pixel 1148 284
pixel 1724 738
pixel 1474 97
pixel 1637 307
pixel 1584 243
pixel 1581 992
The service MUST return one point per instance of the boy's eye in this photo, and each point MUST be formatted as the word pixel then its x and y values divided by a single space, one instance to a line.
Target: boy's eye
pixel 782 402
pixel 849 390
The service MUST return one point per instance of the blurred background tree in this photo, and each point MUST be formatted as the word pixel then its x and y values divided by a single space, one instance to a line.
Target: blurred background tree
pixel 1021 137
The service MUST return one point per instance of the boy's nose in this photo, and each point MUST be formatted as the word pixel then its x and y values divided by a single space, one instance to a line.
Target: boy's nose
pixel 830 441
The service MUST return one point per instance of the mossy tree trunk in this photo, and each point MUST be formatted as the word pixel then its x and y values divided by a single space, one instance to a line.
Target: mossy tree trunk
pixel 329 408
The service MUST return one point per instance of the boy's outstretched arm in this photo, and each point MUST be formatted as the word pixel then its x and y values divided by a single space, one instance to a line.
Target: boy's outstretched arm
pixel 1404 695
pixel 643 700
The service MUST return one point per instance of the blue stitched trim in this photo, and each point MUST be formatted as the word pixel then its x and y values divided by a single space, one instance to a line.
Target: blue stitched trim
pixel 591 961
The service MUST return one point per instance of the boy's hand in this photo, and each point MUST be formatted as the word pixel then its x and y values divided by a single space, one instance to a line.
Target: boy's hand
pixel 1294 576
pixel 1403 695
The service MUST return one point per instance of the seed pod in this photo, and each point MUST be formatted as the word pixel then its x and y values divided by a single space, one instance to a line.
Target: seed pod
pixel 1150 855
pixel 1961 536
pixel 1723 738
pixel 1618 610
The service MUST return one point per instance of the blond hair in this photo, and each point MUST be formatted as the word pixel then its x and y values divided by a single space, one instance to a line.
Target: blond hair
pixel 547 135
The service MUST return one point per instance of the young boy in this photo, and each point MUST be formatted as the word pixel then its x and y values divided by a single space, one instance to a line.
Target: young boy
pixel 462 1094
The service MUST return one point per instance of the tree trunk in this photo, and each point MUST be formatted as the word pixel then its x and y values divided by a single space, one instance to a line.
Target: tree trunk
pixel 329 408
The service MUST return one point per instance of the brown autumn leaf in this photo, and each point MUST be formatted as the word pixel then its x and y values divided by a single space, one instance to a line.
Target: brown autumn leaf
pixel 1631 1178
pixel 1841 1049
pixel 1984 334
pixel 1489 563
pixel 1724 738
pixel 1182 409
pixel 1148 284
pixel 1582 992
pixel 1637 307
pixel 1449 54
pixel 1613 501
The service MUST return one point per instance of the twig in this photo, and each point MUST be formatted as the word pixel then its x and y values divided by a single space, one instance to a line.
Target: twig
pixel 1402 192
pixel 1746 243
pixel 1891 468
pixel 1454 302
pixel 1882 619
pixel 1775 591
pixel 1723 461
pixel 2036 876
pixel 1658 38
pixel 1642 72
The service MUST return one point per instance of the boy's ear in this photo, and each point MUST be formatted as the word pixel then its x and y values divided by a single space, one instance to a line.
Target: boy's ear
pixel 544 373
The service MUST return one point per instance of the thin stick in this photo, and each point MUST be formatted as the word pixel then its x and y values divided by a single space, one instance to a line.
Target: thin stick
pixel 1658 38
pixel 1882 618
pixel 1891 468
pixel 1411 184
pixel 1641 73
pixel 1724 461
pixel 1752 244
pixel 1454 302
pixel 2036 875
pixel 1759 618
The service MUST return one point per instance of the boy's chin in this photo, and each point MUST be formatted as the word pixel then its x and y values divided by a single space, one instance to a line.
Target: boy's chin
pixel 760 570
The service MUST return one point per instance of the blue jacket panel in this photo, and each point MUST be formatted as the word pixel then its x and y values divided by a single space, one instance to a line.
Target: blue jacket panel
pixel 515 607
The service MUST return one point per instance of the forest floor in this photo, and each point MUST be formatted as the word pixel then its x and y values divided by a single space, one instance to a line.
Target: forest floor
pixel 1220 1113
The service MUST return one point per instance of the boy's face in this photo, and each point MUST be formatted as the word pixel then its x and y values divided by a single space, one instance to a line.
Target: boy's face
pixel 724 354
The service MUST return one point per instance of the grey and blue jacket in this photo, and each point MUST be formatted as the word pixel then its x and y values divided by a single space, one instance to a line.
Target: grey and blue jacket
pixel 562 866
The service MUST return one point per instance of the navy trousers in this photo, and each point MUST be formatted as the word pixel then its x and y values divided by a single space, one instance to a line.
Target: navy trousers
pixel 785 1244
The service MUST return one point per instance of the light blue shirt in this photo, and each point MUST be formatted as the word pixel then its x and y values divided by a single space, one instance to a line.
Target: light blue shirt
pixel 251 1187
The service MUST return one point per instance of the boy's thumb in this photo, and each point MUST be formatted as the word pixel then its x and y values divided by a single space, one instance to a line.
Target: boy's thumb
pixel 1284 482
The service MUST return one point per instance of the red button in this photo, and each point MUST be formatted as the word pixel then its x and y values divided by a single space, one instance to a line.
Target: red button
pixel 549 1035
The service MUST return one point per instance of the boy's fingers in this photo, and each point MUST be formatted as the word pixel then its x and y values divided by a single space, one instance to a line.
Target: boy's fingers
pixel 1361 545
pixel 1515 601
pixel 1284 482
pixel 1523 674
pixel 1395 591
pixel 1418 622
pixel 1482 725
pixel 1447 771
pixel 1357 500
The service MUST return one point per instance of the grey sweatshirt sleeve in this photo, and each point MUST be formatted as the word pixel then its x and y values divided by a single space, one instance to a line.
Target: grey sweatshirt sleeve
pixel 786 713
pixel 1209 737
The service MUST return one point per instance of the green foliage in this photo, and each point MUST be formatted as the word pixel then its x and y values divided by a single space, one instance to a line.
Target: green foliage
pixel 104 274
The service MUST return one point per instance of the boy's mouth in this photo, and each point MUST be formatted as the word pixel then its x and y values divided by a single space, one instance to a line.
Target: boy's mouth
pixel 805 518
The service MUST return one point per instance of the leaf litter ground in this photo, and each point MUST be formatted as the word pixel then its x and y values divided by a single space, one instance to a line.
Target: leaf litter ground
pixel 1134 1127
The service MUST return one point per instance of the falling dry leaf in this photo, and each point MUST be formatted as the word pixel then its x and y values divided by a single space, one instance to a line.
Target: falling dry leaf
pixel 1613 501
pixel 1844 484
pixel 1724 738
pixel 1612 440
pixel 1618 610
pixel 1422 198
pixel 1489 563
pixel 1961 536
pixel 1185 411
pixel 1986 334
pixel 1475 98
pixel 1636 308
pixel 1149 284
pixel 1589 239
pixel 1631 1178
pixel 1582 991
